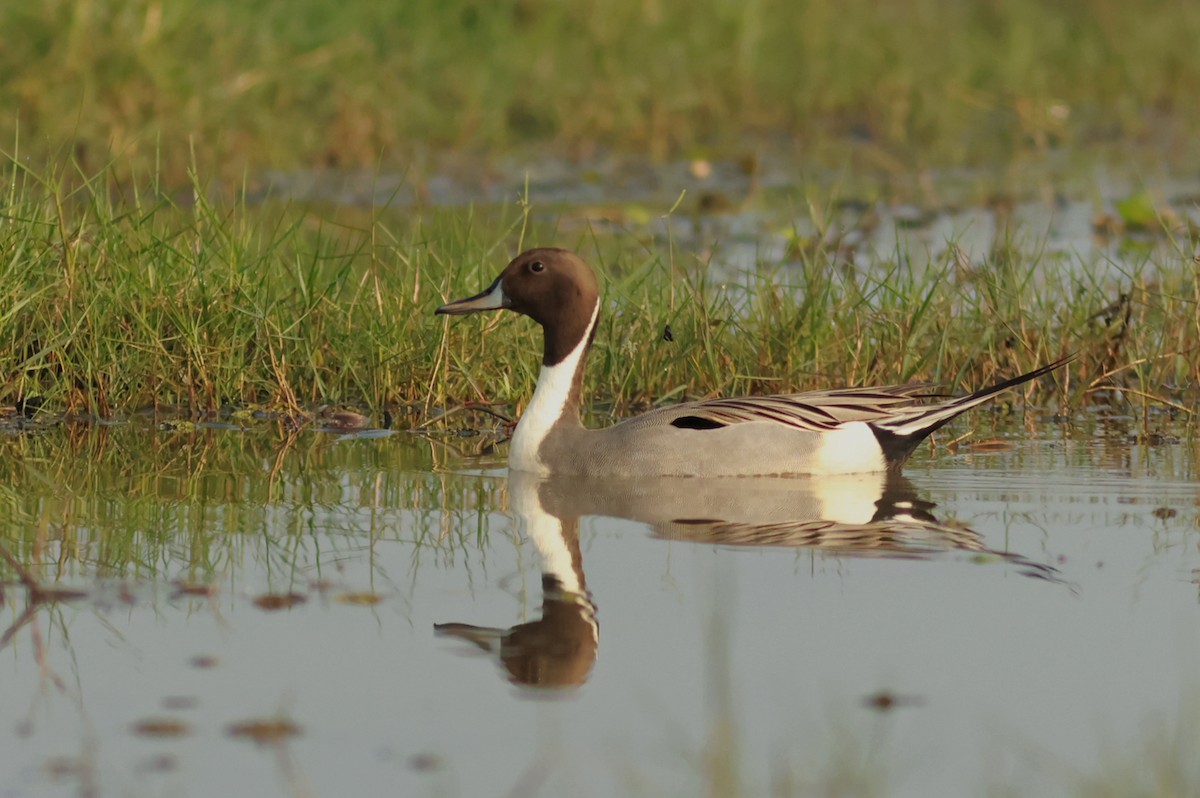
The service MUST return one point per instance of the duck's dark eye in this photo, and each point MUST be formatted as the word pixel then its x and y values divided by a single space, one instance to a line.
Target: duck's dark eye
pixel 537 266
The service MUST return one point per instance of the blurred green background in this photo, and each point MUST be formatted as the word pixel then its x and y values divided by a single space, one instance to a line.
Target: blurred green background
pixel 235 87
pixel 157 246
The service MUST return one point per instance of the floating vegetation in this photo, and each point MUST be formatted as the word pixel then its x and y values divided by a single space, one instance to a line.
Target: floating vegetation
pixel 279 601
pixel 360 599
pixel 264 732
pixel 161 727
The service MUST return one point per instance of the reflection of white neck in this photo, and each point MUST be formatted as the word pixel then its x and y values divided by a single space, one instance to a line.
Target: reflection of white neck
pixel 546 533
pixel 545 530
pixel 546 407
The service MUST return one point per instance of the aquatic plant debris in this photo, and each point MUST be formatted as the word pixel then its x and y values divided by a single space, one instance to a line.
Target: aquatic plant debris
pixel 265 731
pixel 279 601
pixel 362 599
pixel 161 727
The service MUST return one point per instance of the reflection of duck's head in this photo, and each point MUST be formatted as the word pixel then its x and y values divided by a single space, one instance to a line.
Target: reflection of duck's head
pixel 558 649
pixel 874 514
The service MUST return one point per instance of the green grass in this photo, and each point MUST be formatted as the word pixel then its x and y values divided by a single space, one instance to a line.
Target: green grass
pixel 243 87
pixel 131 274
pixel 111 303
pixel 128 502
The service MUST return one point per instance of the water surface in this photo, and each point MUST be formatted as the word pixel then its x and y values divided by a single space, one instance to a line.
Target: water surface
pixel 1019 615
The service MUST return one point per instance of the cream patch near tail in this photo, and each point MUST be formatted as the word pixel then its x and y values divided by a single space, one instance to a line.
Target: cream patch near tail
pixel 852 448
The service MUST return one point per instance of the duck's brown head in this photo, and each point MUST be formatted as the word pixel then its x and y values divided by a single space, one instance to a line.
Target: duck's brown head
pixel 554 287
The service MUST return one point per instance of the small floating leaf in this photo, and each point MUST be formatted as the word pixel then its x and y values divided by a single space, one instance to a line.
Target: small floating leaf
pixel 204 661
pixel 364 599
pixel 1137 211
pixel 161 727
pixel 885 701
pixel 265 731
pixel 639 214
pixel 58 594
pixel 279 601
pixel 183 588
pixel 992 445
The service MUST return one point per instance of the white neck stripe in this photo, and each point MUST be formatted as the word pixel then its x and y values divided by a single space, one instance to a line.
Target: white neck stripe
pixel 547 405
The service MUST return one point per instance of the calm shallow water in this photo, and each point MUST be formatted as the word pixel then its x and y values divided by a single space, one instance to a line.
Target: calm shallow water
pixel 1035 628
pixel 738 213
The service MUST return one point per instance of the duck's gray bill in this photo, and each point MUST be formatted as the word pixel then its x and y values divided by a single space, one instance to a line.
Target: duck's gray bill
pixel 492 298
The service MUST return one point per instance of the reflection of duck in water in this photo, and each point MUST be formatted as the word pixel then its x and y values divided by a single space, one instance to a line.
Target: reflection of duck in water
pixel 873 515
pixel 558 649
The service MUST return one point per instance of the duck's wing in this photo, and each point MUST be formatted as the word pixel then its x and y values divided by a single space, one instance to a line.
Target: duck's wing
pixel 904 414
pixel 814 411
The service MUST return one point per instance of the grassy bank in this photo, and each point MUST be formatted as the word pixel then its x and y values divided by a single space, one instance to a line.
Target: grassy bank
pixel 244 87
pixel 112 303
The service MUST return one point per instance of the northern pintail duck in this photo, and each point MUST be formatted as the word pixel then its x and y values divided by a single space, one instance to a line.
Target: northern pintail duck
pixel 839 431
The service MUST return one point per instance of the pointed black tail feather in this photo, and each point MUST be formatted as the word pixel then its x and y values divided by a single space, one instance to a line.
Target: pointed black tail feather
pixel 900 436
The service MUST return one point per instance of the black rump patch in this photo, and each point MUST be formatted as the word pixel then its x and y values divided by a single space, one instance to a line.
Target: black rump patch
pixel 897 448
pixel 695 422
